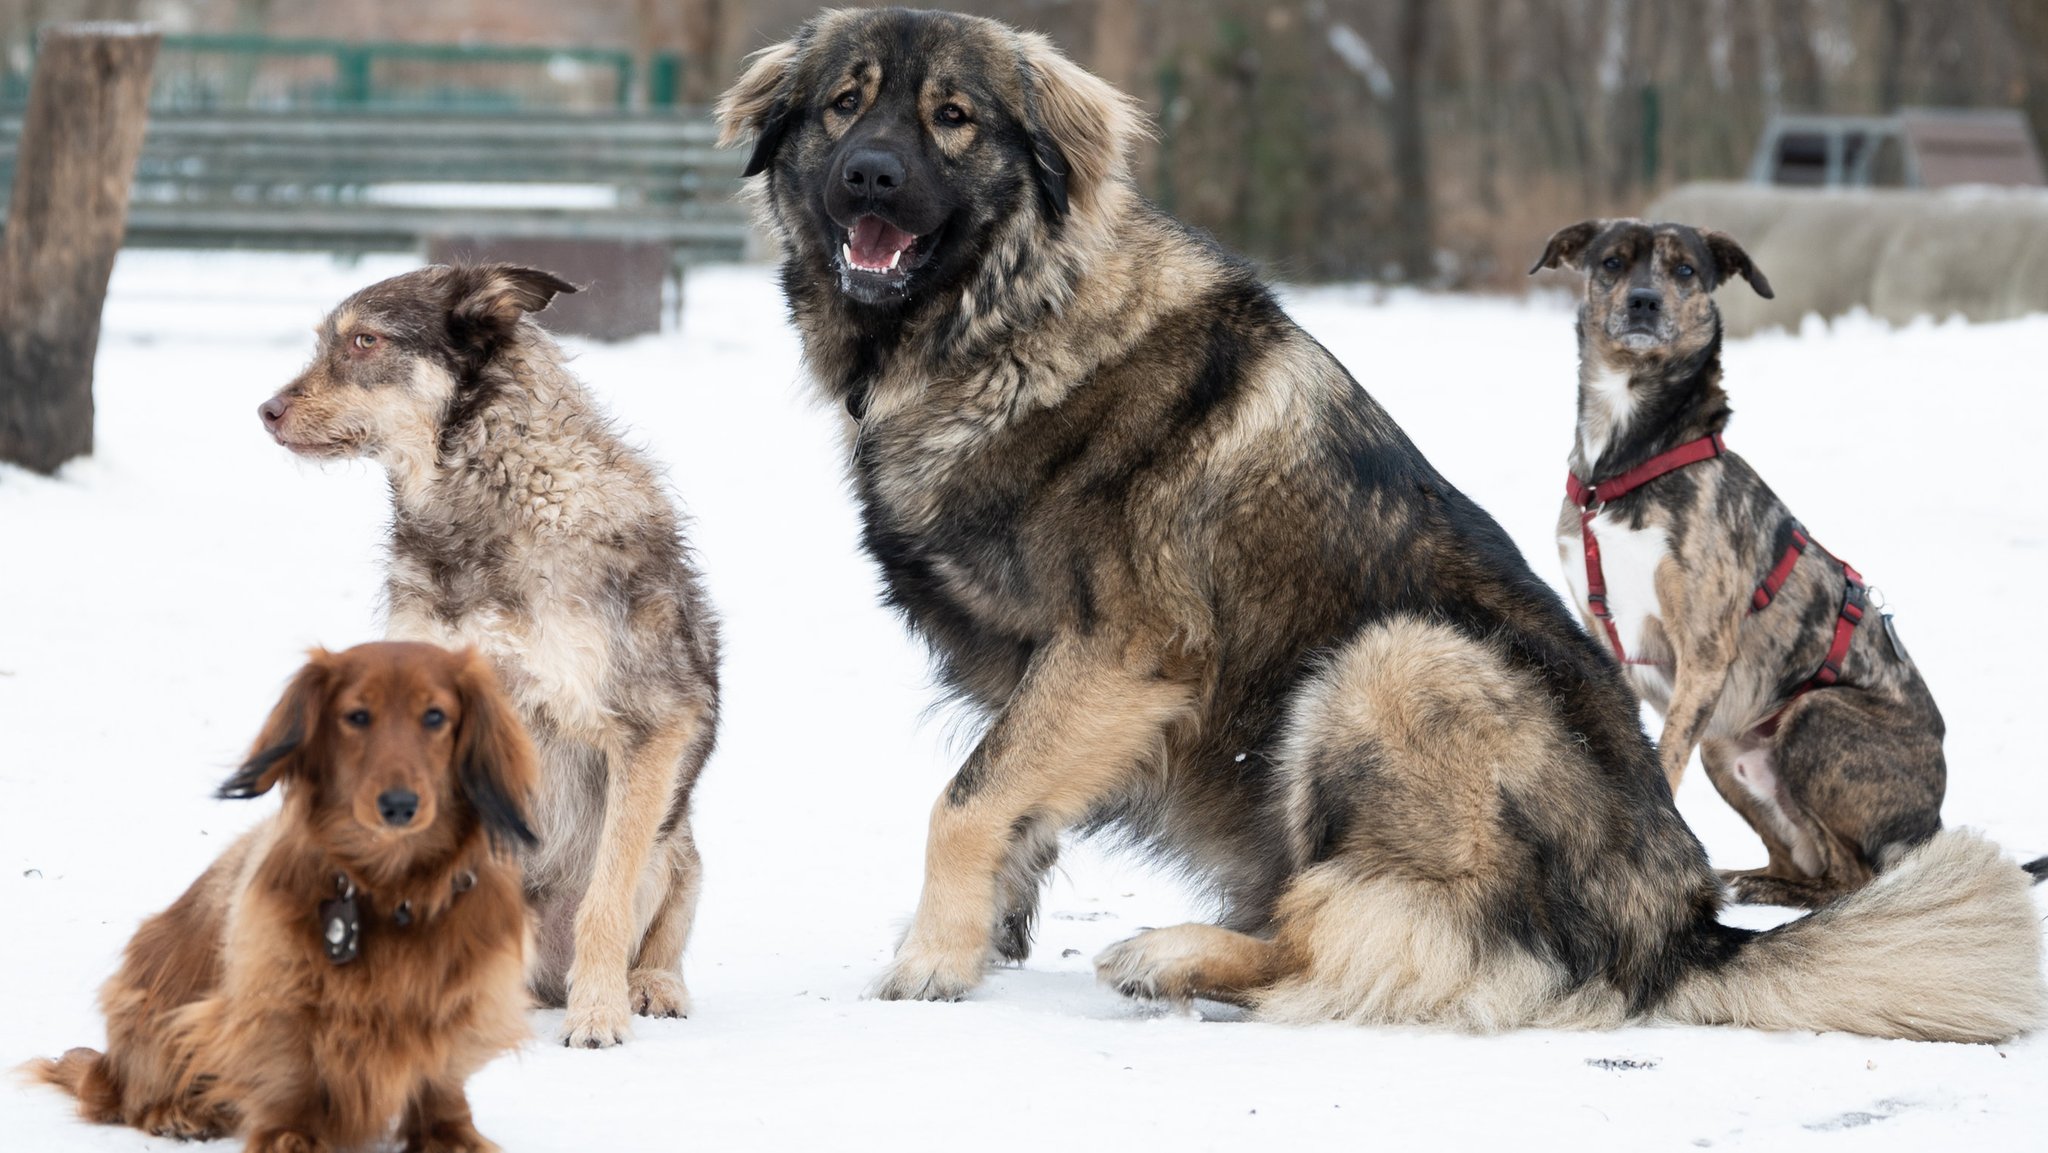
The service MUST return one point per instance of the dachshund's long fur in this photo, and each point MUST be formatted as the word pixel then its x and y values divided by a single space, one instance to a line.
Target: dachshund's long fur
pixel 227 1014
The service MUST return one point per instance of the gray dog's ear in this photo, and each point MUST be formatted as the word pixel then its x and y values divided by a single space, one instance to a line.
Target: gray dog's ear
pixel 759 104
pixel 1731 261
pixel 1081 127
pixel 1567 245
pixel 497 295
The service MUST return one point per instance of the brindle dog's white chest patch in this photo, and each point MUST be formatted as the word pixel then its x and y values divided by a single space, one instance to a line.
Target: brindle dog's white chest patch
pixel 1628 561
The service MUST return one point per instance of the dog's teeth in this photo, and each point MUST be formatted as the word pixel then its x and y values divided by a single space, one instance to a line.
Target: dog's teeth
pixel 846 255
pixel 893 258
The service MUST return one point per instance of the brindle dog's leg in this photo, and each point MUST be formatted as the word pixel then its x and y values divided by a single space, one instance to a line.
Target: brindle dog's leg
pixel 1800 851
pixel 1086 715
pixel 638 788
pixel 1704 641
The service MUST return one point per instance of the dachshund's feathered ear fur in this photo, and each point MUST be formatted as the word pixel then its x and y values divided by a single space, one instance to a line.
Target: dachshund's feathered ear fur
pixel 288 746
pixel 495 763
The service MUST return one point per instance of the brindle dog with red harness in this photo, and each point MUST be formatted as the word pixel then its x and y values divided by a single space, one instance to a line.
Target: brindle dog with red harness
pixel 1757 646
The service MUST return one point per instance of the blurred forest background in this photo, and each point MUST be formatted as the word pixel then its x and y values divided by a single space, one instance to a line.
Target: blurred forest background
pixel 1416 140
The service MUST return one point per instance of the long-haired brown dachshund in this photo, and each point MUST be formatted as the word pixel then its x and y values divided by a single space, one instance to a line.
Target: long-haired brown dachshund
pixel 342 969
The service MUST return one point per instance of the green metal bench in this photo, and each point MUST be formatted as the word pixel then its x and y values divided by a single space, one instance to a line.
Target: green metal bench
pixel 369 181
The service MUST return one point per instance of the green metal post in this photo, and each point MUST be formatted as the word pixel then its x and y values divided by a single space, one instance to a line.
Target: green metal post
pixel 1652 125
pixel 352 75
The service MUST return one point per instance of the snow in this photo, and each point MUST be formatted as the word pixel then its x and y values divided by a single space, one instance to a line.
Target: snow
pixel 157 596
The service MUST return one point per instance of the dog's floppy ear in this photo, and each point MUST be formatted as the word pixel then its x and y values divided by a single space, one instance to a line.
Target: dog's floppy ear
pixel 288 746
pixel 495 296
pixel 761 103
pixel 1567 245
pixel 1731 261
pixel 494 758
pixel 1081 127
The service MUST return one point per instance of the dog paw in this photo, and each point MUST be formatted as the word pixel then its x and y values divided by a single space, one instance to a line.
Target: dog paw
pixel 182 1124
pixel 1146 967
pixel 918 975
pixel 595 1023
pixel 658 993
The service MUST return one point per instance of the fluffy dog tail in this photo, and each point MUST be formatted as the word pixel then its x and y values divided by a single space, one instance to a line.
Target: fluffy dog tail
pixel 1944 946
pixel 84 1074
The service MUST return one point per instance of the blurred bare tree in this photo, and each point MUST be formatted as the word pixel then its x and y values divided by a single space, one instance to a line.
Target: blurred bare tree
pixel 1410 139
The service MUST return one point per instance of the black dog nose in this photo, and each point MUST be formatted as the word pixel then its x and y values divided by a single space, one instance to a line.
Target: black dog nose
pixel 1645 300
pixel 273 410
pixel 873 172
pixel 398 806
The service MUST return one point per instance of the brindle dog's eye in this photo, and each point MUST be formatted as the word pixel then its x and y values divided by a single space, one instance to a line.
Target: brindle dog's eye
pixel 952 114
pixel 360 718
pixel 847 102
pixel 434 718
pixel 1683 271
pixel 365 340
pixel 1611 264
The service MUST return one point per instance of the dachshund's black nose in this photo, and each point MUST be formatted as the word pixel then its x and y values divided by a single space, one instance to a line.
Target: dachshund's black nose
pixel 398 806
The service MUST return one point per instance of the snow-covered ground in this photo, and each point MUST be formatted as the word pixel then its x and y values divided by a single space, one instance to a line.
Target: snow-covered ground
pixel 154 598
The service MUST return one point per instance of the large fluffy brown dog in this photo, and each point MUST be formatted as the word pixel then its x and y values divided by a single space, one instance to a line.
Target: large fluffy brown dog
pixel 345 966
pixel 1209 595
pixel 522 524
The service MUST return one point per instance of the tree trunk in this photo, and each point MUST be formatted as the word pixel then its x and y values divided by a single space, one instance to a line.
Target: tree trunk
pixel 88 105
pixel 1416 245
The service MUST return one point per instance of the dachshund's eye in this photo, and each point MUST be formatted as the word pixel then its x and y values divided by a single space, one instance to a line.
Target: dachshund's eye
pixel 360 718
pixel 1611 264
pixel 847 102
pixel 952 114
pixel 365 340
pixel 1682 272
pixel 434 718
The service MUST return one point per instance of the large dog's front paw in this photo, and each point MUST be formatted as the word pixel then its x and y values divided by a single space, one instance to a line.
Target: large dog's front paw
pixel 597 1018
pixel 284 1141
pixel 451 1137
pixel 658 993
pixel 185 1123
pixel 929 975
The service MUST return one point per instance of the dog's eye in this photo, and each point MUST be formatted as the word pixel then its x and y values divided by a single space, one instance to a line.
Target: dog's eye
pixel 1682 272
pixel 434 718
pixel 365 340
pixel 847 101
pixel 952 114
pixel 1611 264
pixel 360 718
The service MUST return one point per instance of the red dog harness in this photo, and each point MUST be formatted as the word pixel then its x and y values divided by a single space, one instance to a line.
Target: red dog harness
pixel 1592 498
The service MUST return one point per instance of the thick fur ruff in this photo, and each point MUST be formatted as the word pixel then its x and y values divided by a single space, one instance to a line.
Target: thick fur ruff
pixel 1207 594
pixel 524 525
pixel 227 1015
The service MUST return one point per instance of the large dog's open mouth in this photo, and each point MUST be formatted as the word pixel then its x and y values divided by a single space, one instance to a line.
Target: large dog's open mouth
pixel 877 253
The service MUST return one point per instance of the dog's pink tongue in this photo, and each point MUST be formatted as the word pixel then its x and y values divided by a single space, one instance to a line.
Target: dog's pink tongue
pixel 876 242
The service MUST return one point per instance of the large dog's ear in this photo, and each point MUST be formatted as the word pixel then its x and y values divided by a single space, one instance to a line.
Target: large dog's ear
pixel 1081 127
pixel 288 747
pixel 1568 245
pixel 495 765
pixel 1731 261
pixel 760 104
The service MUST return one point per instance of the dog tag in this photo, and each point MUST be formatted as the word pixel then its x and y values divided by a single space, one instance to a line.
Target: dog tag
pixel 341 929
pixel 1891 633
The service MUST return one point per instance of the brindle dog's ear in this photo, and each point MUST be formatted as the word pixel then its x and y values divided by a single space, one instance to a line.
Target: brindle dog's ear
pixel 1081 126
pixel 1567 245
pixel 292 740
pixel 495 765
pixel 760 104
pixel 1731 261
